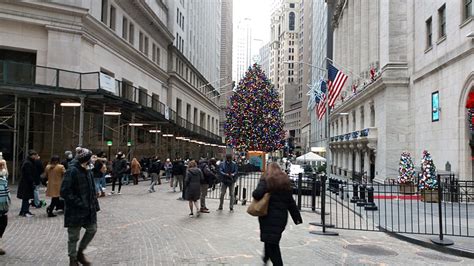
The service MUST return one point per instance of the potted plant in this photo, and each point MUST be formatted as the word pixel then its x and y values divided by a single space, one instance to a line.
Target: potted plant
pixel 406 174
pixel 428 183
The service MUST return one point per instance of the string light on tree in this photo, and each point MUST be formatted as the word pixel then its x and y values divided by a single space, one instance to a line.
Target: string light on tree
pixel 254 121
pixel 428 173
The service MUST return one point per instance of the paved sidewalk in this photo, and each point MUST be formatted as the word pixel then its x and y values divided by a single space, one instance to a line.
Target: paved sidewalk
pixel 139 228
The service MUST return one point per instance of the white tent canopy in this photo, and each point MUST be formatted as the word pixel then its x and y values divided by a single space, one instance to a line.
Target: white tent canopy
pixel 310 157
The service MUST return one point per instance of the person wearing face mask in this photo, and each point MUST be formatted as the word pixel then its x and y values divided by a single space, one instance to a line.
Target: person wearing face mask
pixel 81 205
pixel 228 173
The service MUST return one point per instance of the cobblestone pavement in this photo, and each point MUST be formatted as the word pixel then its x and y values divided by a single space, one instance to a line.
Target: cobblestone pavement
pixel 139 228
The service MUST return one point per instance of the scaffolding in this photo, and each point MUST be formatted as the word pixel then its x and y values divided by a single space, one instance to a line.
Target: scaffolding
pixel 32 117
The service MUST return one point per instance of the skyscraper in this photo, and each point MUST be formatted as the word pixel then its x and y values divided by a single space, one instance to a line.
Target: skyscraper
pixel 242 58
pixel 226 59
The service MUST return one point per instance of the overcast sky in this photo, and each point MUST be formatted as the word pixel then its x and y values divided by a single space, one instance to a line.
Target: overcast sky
pixel 259 12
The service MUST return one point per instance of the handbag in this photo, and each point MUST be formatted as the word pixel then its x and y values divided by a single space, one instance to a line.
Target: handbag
pixel 259 207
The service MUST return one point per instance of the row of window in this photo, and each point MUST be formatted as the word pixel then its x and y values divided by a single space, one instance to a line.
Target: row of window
pixel 467 13
pixel 212 122
pixel 108 17
pixel 345 129
pixel 179 19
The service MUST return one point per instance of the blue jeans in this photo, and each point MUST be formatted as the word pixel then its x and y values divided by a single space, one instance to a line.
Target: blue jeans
pixel 37 196
pixel 98 187
pixel 102 181
pixel 125 179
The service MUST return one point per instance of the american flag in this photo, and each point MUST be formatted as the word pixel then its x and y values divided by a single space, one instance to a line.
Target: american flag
pixel 321 108
pixel 336 80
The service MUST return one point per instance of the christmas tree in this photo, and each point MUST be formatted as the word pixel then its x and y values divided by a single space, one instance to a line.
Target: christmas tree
pixel 406 169
pixel 253 119
pixel 428 173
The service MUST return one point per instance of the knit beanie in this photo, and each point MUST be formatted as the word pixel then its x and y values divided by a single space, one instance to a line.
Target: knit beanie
pixel 83 155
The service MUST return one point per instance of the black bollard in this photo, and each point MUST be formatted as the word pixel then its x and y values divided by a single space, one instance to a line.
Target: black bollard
pixel 362 201
pixel 370 206
pixel 355 193
pixel 244 196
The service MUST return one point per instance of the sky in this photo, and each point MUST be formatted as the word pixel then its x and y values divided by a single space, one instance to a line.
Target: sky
pixel 259 12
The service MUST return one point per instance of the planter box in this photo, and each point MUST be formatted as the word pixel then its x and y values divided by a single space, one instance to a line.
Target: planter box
pixel 429 195
pixel 407 188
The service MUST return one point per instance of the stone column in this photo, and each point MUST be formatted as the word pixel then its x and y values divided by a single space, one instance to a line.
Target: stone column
pixel 357 32
pixel 373 32
pixel 364 35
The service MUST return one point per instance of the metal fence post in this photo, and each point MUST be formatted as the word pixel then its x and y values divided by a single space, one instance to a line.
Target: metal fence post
pixel 313 193
pixel 323 212
pixel 441 240
pixel 300 180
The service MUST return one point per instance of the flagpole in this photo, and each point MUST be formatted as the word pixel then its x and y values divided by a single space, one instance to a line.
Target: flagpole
pixel 345 68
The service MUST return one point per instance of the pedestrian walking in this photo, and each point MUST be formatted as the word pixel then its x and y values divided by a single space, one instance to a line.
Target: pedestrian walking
pixel 179 170
pixel 193 181
pixel 5 200
pixel 81 204
pixel 277 183
pixel 136 170
pixel 98 172
pixel 155 173
pixel 119 168
pixel 39 174
pixel 208 179
pixel 26 186
pixel 168 166
pixel 228 173
pixel 54 173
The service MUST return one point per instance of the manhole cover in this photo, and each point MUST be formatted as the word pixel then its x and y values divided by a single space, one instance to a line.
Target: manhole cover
pixel 371 250
pixel 435 256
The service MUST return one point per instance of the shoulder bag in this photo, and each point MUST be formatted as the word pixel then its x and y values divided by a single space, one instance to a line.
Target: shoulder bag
pixel 259 207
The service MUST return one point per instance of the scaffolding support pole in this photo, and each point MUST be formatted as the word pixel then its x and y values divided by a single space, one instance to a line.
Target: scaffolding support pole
pixel 27 129
pixel 103 127
pixel 53 129
pixel 156 140
pixel 15 139
pixel 81 123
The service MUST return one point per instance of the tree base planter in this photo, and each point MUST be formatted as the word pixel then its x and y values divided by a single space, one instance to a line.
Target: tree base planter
pixel 407 188
pixel 429 195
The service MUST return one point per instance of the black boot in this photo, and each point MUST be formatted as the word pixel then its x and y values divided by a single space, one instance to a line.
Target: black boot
pixel 49 210
pixel 82 259
pixel 73 262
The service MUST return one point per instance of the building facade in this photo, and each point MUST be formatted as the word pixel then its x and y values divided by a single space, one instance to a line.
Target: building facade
pixel 242 59
pixel 196 26
pixel 101 74
pixel 305 70
pixel 264 54
pixel 284 46
pixel 226 60
pixel 410 75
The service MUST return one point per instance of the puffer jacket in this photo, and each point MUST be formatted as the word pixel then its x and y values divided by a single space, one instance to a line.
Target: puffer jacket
pixel 273 224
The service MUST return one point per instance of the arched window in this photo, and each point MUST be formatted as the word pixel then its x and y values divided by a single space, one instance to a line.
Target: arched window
pixel 292 20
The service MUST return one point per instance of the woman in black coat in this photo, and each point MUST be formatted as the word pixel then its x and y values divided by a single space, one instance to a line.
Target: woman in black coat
pixel 277 183
pixel 27 183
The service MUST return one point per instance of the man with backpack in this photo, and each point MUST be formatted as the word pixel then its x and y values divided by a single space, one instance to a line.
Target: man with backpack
pixel 209 179
pixel 228 174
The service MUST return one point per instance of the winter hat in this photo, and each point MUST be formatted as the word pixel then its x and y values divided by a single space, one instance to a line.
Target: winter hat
pixel 68 153
pixel 119 155
pixel 83 155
